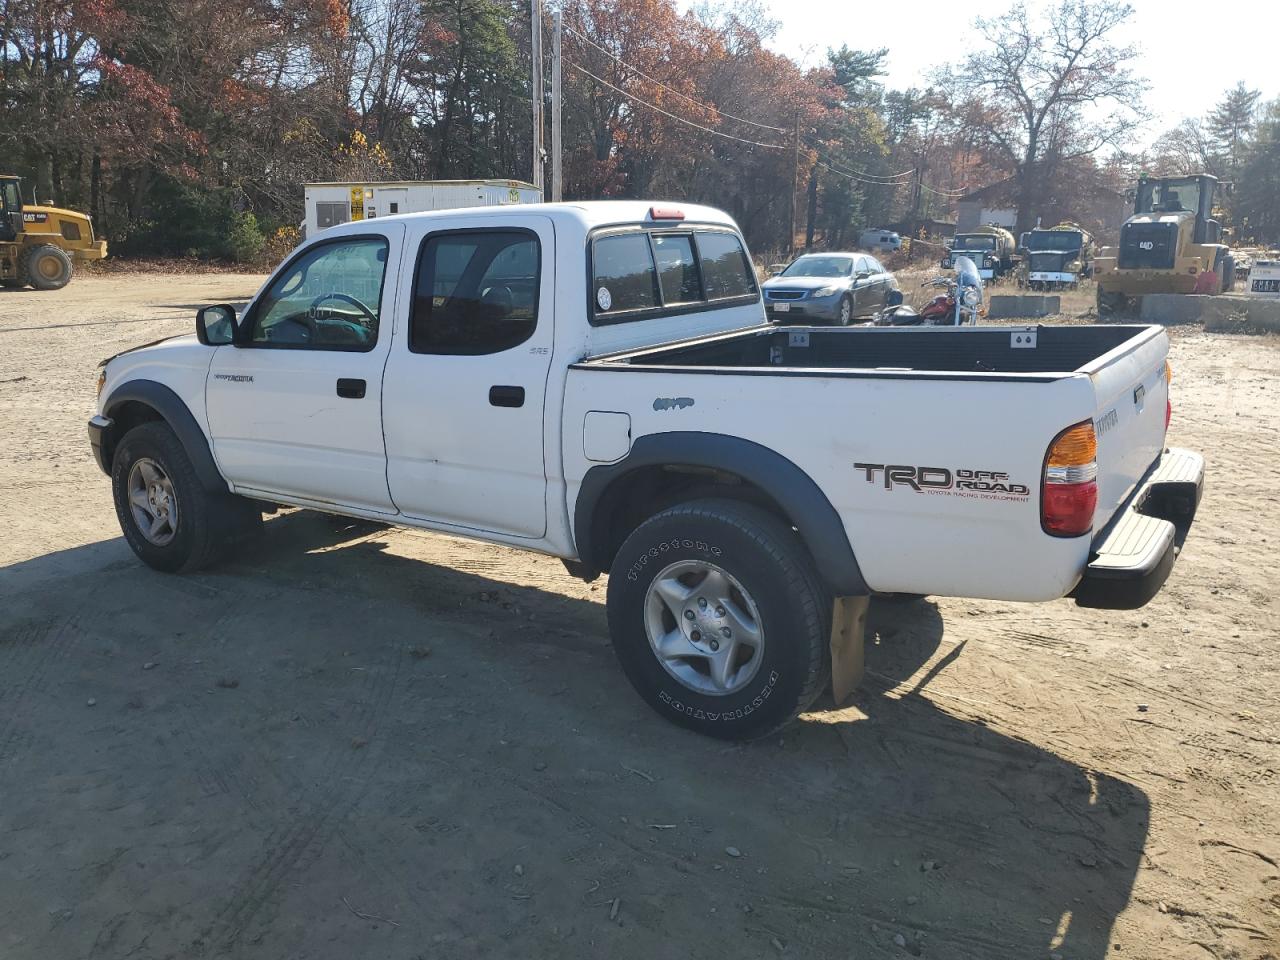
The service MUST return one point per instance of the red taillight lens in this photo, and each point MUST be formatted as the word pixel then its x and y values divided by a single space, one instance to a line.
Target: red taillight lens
pixel 1168 395
pixel 1069 488
pixel 1067 508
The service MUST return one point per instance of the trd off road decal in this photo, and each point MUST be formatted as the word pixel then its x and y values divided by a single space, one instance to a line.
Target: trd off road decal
pixel 943 481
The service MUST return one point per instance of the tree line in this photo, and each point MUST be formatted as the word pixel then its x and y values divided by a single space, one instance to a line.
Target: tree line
pixel 187 127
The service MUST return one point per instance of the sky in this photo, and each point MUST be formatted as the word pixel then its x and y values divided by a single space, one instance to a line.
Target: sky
pixel 1190 53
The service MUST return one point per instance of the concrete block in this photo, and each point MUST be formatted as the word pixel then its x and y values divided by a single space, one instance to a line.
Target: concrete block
pixel 1172 309
pixel 1027 305
pixel 1222 314
pixel 1258 316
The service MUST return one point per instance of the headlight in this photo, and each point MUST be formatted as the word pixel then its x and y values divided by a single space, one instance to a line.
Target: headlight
pixel 970 297
pixel 827 291
pixel 102 381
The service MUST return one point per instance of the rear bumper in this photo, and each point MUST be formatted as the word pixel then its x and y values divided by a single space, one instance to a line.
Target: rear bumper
pixel 1051 276
pixel 96 252
pixel 1133 555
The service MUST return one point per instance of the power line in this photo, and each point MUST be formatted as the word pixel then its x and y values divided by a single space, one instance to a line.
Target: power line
pixel 677 93
pixel 849 176
pixel 945 193
pixel 667 113
pixel 888 179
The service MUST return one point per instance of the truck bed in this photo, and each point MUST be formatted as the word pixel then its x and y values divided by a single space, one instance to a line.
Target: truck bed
pixel 1045 351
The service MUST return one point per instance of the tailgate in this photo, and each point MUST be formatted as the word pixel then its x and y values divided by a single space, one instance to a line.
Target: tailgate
pixel 1131 392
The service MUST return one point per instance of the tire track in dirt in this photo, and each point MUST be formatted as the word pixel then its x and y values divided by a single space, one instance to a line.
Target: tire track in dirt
pixel 348 770
pixel 25 664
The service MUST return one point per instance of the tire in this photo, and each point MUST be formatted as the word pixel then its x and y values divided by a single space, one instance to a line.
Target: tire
pixel 11 283
pixel 201 524
pixel 46 267
pixel 846 311
pixel 770 573
pixel 1228 273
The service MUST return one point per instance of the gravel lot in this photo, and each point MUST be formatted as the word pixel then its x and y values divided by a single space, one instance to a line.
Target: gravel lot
pixel 360 743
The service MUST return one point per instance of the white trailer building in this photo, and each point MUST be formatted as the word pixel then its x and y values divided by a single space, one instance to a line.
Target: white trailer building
pixel 331 203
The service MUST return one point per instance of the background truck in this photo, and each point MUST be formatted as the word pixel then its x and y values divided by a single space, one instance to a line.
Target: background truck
pixel 991 248
pixel 1057 257
pixel 328 204
pixel 1171 244
pixel 39 245
pixel 597 381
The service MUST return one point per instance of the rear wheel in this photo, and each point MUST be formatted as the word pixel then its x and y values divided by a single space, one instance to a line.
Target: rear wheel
pixel 718 619
pixel 1110 304
pixel 170 520
pixel 46 267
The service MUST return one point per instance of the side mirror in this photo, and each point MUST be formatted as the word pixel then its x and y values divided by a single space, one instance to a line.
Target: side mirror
pixel 862 274
pixel 216 326
pixel 893 298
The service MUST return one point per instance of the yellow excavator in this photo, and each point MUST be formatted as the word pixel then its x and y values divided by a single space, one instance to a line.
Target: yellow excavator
pixel 39 245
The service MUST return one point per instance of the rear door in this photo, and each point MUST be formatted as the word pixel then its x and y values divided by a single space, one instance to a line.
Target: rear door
pixel 297 409
pixel 465 390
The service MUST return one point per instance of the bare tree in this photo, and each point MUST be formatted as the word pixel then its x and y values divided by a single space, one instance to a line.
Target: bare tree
pixel 1062 89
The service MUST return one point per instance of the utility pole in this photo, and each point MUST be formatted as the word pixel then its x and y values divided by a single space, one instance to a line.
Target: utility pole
pixel 795 186
pixel 538 152
pixel 557 131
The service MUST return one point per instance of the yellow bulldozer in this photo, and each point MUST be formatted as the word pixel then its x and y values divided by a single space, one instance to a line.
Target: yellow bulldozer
pixel 40 245
pixel 1171 244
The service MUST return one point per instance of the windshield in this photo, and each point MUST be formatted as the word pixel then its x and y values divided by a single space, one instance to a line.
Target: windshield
pixel 967 275
pixel 1168 196
pixel 1061 241
pixel 822 266
pixel 971 241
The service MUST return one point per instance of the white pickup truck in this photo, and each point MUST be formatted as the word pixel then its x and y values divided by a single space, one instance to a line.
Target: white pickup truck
pixel 598 381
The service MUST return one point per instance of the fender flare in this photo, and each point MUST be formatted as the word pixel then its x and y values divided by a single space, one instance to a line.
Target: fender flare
pixel 174 411
pixel 803 501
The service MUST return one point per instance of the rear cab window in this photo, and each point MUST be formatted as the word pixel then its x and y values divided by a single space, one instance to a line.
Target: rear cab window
pixel 639 274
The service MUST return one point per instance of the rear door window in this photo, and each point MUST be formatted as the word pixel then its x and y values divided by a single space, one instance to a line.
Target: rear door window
pixel 726 271
pixel 477 292
pixel 624 277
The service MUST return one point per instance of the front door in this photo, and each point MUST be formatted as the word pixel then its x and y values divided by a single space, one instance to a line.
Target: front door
pixel 466 388
pixel 296 410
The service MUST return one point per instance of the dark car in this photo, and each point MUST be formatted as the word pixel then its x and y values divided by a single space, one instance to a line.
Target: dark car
pixel 828 288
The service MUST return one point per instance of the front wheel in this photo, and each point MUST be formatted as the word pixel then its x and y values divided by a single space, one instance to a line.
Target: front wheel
pixel 170 520
pixel 846 310
pixel 46 267
pixel 718 619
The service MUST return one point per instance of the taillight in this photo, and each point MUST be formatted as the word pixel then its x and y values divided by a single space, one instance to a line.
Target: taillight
pixel 1069 491
pixel 1168 395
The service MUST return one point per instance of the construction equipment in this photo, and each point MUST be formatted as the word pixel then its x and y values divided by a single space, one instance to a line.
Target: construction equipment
pixel 1056 258
pixel 1171 244
pixel 991 248
pixel 39 245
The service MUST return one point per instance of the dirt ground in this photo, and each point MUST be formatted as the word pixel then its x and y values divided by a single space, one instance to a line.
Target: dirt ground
pixel 359 743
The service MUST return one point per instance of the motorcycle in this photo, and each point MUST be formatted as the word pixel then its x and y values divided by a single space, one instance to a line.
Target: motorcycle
pixel 961 302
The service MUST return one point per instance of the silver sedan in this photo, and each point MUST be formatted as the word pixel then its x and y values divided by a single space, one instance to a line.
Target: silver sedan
pixel 828 288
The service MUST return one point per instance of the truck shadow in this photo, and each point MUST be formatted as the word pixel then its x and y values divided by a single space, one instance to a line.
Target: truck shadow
pixel 894 825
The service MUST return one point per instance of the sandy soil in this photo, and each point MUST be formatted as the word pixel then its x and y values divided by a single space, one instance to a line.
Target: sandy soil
pixel 357 743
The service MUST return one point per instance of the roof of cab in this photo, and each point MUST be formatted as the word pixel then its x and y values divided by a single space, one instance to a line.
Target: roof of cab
pixel 589 214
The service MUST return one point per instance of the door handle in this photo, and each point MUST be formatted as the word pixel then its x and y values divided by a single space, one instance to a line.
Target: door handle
pixel 351 388
pixel 506 396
